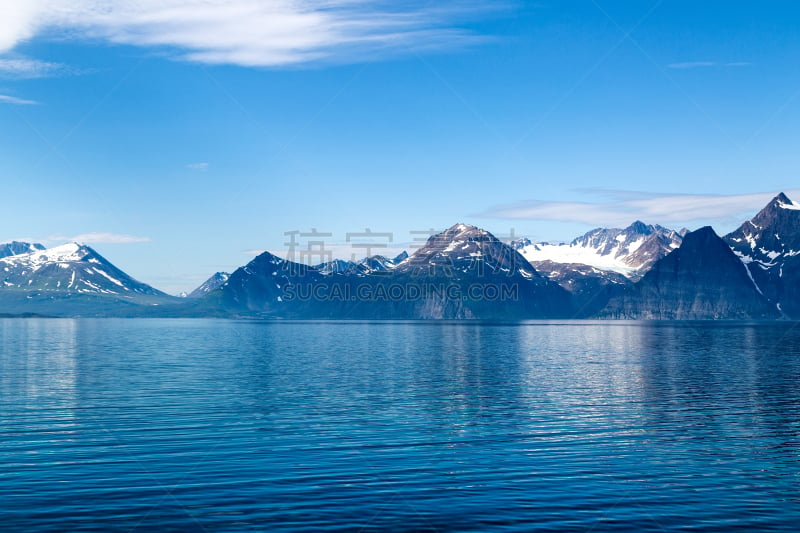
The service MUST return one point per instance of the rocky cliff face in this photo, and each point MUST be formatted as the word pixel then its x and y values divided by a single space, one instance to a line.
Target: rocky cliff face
pixel 703 279
pixel 769 245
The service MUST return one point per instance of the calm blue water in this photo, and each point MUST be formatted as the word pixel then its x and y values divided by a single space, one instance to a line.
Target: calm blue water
pixel 227 426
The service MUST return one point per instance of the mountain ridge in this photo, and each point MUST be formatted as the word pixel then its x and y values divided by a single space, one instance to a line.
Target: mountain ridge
pixel 642 271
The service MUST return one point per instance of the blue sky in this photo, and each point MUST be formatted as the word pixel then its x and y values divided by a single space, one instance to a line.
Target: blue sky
pixel 178 138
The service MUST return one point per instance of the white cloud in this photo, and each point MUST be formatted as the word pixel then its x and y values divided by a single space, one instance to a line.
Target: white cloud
pixel 30 68
pixel 198 166
pixel 244 32
pixel 98 238
pixel 5 99
pixel 18 21
pixel 623 207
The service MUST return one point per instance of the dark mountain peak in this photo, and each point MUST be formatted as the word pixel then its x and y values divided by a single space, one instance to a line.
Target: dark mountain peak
pixel 367 265
pixel 701 279
pixel 608 239
pixel 780 206
pixel 704 235
pixel 18 248
pixel 267 258
pixel 375 263
pixel 336 266
pixel 771 234
pixel 519 244
pixel 781 198
pixel 704 246
pixel 217 280
pixel 701 250
pixel 402 256
pixel 639 228
pixel 769 244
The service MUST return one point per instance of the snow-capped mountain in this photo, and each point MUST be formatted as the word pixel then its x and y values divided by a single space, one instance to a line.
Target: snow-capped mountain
pixel 769 245
pixel 380 263
pixel 214 282
pixel 466 256
pixel 630 251
pixel 367 265
pixel 69 268
pixel 462 248
pixel 16 248
pixel 336 266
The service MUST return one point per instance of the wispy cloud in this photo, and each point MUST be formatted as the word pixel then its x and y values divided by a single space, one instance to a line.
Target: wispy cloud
pixel 98 238
pixel 31 68
pixel 615 208
pixel 198 166
pixel 5 99
pixel 707 64
pixel 247 32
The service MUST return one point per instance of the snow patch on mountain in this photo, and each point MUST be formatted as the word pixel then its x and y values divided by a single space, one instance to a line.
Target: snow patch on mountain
pixel 793 205
pixel 629 251
pixel 70 267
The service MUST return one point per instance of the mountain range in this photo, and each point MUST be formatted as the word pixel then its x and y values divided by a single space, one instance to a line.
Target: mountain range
pixel 638 272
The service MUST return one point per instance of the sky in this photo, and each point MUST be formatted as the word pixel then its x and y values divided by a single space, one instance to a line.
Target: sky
pixel 181 138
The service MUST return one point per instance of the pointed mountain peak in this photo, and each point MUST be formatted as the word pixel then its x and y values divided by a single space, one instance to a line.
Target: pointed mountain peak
pixel 770 234
pixel 214 282
pixel 639 227
pixel 781 198
pixel 701 236
pixel 775 206
pixel 782 201
pixel 402 256
pixel 268 257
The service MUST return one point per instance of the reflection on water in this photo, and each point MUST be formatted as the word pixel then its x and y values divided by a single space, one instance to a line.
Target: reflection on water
pixel 226 425
pixel 39 362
